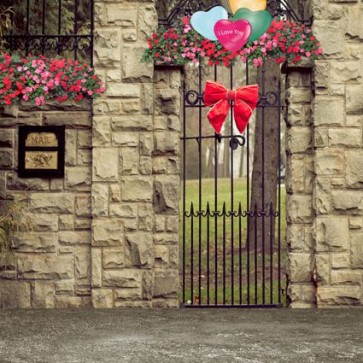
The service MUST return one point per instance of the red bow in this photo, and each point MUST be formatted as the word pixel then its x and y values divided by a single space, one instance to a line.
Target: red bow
pixel 245 101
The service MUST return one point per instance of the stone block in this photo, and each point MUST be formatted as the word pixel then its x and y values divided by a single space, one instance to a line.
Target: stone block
pixel 129 161
pixel 338 295
pixel 354 101
pixel 146 165
pixel 356 250
pixel 100 200
pixel 344 138
pixel 107 107
pixel 301 296
pixel 346 277
pixel 159 224
pixel 166 238
pixel 322 263
pixel 69 119
pixel 172 224
pixel 295 238
pixel 147 98
pixel 101 133
pixel 140 249
pixel 167 102
pixel 120 16
pixel 96 270
pixel 348 201
pixel 295 174
pixel 82 224
pixel 147 20
pixel 355 223
pixel 73 238
pixel 82 264
pixel 107 49
pixel 340 260
pixel 161 256
pixel 146 144
pixel 329 162
pixel 83 205
pixel 354 169
pixel 133 304
pixel 107 232
pixel 122 91
pixel 78 178
pixel 84 140
pixel 45 267
pixel 354 26
pixel 166 194
pixel 354 121
pixel 66 222
pixel 322 195
pixel 15 295
pixel 166 283
pixel 299 209
pixel 33 184
pixel 6 158
pixel 70 148
pixel 57 203
pixel 135 71
pixel 131 123
pixel 330 35
pixel 344 72
pixel 332 234
pixel 115 193
pixel 84 157
pixel 113 258
pixel 128 139
pixel 122 278
pixel 329 111
pixel 166 143
pixel 57 185
pixel 146 217
pixel 35 241
pixel 174 257
pixel 64 287
pixel 43 222
pixel 102 298
pixel 136 189
pixel 7 138
pixel 298 115
pixel 128 294
pixel 300 267
pixel 299 95
pixel 67 302
pixel 43 295
pixel 125 210
pixel 321 73
pixel 105 164
pixel 113 75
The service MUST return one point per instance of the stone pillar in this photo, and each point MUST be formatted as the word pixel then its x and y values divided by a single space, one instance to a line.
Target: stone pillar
pixel 338 121
pixel 325 179
pixel 299 185
pixel 135 190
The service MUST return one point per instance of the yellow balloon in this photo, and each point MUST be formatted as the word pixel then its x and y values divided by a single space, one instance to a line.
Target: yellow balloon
pixel 253 5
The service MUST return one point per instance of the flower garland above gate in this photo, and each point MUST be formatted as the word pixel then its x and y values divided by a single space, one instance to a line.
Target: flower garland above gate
pixel 249 35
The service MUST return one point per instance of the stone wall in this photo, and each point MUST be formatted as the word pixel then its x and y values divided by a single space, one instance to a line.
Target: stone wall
pixel 332 255
pixel 51 267
pixel 135 187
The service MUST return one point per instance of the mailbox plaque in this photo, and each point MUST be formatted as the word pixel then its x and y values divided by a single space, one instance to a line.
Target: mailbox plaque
pixel 41 151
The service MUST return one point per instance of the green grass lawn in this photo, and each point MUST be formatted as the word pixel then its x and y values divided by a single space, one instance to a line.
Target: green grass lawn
pixel 220 266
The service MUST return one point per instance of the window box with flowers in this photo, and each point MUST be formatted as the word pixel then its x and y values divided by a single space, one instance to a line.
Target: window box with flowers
pixel 285 41
pixel 36 80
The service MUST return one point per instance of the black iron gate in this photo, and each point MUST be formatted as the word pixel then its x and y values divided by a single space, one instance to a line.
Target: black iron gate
pixel 225 260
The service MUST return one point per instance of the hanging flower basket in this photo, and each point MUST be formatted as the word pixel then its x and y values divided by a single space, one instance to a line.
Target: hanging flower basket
pixel 285 41
pixel 38 79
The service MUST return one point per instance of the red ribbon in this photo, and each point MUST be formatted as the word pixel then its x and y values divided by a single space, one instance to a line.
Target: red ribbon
pixel 244 102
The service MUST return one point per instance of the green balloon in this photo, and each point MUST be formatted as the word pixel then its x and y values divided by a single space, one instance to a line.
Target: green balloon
pixel 259 20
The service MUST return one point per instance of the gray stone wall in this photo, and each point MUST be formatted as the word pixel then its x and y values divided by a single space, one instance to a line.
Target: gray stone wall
pixel 329 238
pixel 51 264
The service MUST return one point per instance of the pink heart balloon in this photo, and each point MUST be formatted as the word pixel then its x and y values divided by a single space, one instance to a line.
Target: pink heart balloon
pixel 233 35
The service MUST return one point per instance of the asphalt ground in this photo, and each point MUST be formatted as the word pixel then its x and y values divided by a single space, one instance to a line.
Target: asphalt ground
pixel 130 335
